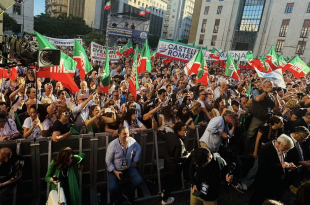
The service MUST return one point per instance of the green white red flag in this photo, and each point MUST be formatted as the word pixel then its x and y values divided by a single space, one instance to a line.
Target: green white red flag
pixel 297 67
pixel 153 55
pixel 231 68
pixel 134 83
pixel 148 10
pixel 215 54
pixel 272 58
pixel 105 80
pixel 79 55
pixel 203 73
pixel 125 50
pixel 107 5
pixel 282 61
pixel 266 65
pixel 63 73
pixel 141 13
pixel 144 63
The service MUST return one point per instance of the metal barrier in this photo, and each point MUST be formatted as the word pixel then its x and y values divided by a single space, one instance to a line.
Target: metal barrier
pixel 39 156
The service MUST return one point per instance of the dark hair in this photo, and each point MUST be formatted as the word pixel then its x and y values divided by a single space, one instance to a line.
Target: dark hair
pixel 202 156
pixel 60 91
pixel 178 127
pixel 29 90
pixel 200 91
pixel 121 129
pixel 161 91
pixel 185 99
pixel 91 109
pixel 275 120
pixel 166 111
pixel 60 159
pixel 217 102
pixel 180 115
pixel 128 115
pixel 302 195
pixel 301 129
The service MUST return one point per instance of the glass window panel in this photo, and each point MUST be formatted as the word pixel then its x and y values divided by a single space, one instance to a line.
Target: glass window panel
pixel 251 16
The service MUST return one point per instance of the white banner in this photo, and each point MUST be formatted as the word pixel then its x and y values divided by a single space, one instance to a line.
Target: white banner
pixel 235 55
pixel 62 42
pixel 98 52
pixel 276 76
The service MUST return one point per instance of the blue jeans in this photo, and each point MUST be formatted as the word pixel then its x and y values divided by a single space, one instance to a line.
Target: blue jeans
pixel 133 176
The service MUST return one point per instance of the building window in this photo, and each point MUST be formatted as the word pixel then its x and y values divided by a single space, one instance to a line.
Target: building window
pixel 301 47
pixel 284 27
pixel 251 16
pixel 308 9
pixel 208 0
pixel 305 29
pixel 17 9
pixel 289 8
pixel 170 35
pixel 216 25
pixel 221 0
pixel 172 16
pixel 213 40
pixel 203 26
pixel 138 2
pixel 134 1
pixel 142 4
pixel 206 10
pixel 60 9
pixel 201 39
pixel 219 10
pixel 279 47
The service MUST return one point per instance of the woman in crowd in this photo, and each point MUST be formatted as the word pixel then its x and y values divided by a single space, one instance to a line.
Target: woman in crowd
pixel 132 123
pixel 30 76
pixel 64 170
pixel 219 107
pixel 97 119
pixel 63 99
pixel 166 119
pixel 184 116
pixel 187 101
pixel 8 129
pixel 196 114
pixel 61 127
pixel 93 85
pixel 37 125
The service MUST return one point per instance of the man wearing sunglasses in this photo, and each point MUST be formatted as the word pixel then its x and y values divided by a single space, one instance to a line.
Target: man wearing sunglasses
pixel 80 111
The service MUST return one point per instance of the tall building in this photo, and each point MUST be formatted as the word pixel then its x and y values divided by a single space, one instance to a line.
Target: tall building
pixel 23 14
pixel 157 17
pixel 253 25
pixel 56 7
pixel 178 19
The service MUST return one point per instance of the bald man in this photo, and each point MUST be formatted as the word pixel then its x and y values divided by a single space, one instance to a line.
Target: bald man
pixel 10 171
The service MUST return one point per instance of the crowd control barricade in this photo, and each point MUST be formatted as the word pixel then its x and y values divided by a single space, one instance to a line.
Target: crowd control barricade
pixel 39 153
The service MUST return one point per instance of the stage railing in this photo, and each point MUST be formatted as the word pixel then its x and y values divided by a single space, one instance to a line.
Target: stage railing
pixel 39 153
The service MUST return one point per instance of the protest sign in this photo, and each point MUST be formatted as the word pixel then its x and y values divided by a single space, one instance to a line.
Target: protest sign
pixel 98 52
pixel 176 50
pixel 235 54
pixel 62 42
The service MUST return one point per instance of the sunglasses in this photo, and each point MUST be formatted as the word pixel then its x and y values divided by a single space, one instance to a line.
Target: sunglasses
pixel 133 106
pixel 68 160
pixel 83 99
pixel 116 95
pixel 63 93
pixel 48 84
pixel 65 113
pixel 204 94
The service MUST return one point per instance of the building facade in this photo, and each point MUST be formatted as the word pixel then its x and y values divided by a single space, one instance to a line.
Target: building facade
pixel 23 14
pixel 56 7
pixel 253 25
pixel 178 19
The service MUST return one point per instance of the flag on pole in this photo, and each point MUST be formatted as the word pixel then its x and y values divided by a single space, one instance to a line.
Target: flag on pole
pixel 141 13
pixel 231 68
pixel 80 57
pixel 282 61
pixel 274 76
pixel 266 66
pixel 272 58
pixel 107 5
pixel 297 67
pixel 134 84
pixel 194 42
pixel 144 63
pixel 105 80
pixel 177 39
pixel 12 74
pixel 63 73
pixel 215 54
pixel 249 56
pixel 148 10
pixel 153 55
pixel 125 50
pixel 203 73
pixel 3 73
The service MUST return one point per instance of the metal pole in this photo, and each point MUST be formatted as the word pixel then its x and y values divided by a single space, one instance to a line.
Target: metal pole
pixel 157 161
pixel 23 16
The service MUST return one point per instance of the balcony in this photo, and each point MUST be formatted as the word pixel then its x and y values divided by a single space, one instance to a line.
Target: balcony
pixel 59 11
pixel 59 4
pixel 305 32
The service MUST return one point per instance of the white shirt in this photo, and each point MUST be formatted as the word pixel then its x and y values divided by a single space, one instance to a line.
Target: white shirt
pixel 83 113
pixel 36 132
pixel 130 127
pixel 16 105
pixel 8 130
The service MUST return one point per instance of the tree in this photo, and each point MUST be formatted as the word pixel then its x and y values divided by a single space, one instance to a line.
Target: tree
pixel 9 24
pixel 153 41
pixel 96 37
pixel 61 26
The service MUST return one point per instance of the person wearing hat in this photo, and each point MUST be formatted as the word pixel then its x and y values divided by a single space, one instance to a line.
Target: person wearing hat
pixel 8 129
pixel 192 84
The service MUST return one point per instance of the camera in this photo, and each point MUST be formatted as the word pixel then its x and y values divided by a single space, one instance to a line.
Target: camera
pixel 233 87
pixel 276 89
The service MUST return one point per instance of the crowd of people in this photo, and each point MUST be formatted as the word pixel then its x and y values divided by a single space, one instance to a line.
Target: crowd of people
pixel 250 119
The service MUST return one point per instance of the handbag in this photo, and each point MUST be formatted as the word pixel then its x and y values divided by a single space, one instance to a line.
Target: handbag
pixel 56 197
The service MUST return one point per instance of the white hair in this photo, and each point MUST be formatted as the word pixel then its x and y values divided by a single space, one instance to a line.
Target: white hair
pixel 83 82
pixel 286 141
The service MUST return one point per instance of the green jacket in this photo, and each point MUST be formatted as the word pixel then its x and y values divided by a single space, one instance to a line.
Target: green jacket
pixel 73 179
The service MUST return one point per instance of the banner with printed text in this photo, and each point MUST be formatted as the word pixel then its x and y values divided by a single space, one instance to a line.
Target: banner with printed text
pixel 62 42
pixel 98 52
pixel 235 54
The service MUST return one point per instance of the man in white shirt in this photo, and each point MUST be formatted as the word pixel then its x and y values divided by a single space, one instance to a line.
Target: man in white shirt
pixel 80 111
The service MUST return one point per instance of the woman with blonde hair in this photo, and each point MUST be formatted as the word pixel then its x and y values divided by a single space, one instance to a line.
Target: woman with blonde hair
pixel 196 114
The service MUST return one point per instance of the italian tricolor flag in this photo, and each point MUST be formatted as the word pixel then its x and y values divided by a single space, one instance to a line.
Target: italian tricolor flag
pixel 231 68
pixel 266 65
pixel 141 13
pixel 282 61
pixel 148 10
pixel 134 84
pixel 153 55
pixel 215 54
pixel 80 57
pixel 297 67
pixel 107 5
pixel 203 69
pixel 144 63
pixel 106 78
pixel 272 58
pixel 125 50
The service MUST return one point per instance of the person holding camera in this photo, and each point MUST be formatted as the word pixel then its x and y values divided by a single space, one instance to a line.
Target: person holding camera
pixel 264 101
pixel 64 170
pixel 205 178
pixel 122 156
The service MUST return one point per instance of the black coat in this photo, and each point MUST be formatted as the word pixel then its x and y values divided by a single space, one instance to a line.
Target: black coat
pixel 298 122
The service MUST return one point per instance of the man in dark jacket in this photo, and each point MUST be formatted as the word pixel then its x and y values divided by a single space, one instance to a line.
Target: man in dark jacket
pixel 272 169
pixel 175 155
pixel 303 121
